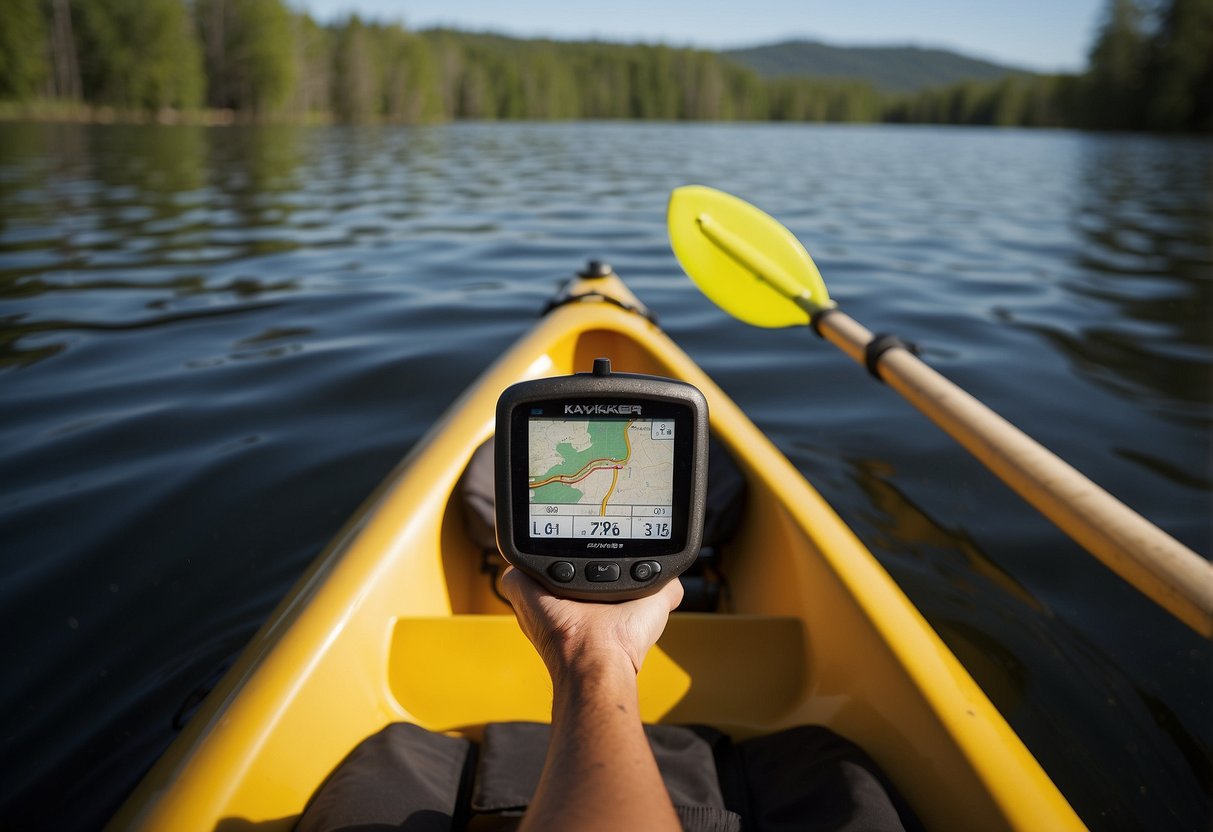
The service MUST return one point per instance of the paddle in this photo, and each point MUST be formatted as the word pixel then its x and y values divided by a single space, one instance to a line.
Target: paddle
pixel 756 270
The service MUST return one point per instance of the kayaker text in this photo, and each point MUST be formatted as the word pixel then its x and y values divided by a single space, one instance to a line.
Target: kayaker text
pixel 602 409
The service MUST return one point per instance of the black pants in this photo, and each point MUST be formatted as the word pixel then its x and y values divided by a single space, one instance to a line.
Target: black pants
pixel 808 778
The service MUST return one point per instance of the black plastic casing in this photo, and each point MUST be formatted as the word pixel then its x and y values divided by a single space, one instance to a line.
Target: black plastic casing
pixel 658 398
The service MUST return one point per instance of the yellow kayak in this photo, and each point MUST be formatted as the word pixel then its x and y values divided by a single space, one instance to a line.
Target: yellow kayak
pixel 397 622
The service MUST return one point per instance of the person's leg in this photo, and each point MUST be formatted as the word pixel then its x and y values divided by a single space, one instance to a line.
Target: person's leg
pixel 512 759
pixel 809 779
pixel 686 757
pixel 403 778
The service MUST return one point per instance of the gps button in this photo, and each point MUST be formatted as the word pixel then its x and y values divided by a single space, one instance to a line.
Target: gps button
pixel 601 571
pixel 562 571
pixel 645 569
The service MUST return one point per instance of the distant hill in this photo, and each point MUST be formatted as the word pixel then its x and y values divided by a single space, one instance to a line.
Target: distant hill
pixel 888 68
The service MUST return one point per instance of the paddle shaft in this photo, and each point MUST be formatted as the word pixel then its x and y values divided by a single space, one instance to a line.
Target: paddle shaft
pixel 1173 575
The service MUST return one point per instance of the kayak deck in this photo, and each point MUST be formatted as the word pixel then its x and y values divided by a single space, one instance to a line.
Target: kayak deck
pixel 396 621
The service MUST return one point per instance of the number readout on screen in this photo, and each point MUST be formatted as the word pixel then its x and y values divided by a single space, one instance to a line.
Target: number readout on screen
pixel 643 522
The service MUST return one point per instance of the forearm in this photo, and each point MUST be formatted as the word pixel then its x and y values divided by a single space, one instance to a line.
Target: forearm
pixel 600 772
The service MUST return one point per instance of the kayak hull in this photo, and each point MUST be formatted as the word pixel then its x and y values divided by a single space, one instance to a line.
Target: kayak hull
pixel 396 621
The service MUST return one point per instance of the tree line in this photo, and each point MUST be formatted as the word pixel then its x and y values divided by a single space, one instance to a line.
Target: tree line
pixel 1151 67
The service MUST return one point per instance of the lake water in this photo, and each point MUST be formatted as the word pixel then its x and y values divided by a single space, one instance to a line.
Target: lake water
pixel 214 342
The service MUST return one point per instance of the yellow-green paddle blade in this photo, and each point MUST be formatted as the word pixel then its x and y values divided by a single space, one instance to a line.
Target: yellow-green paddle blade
pixel 743 259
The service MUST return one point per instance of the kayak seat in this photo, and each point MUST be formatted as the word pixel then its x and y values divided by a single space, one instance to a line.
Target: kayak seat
pixel 702 583
pixel 456 759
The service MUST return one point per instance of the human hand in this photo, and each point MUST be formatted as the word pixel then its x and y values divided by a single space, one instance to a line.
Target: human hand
pixel 571 635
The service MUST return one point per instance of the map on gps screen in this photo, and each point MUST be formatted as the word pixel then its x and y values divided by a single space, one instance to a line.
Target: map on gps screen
pixel 609 478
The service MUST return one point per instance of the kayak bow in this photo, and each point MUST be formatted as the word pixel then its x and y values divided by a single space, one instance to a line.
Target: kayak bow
pixel 396 621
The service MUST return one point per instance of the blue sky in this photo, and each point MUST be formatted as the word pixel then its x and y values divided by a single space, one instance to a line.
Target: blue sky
pixel 1035 34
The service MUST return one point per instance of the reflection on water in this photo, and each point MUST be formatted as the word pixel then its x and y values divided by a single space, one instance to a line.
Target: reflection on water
pixel 1009 640
pixel 214 342
pixel 1146 259
pixel 904 527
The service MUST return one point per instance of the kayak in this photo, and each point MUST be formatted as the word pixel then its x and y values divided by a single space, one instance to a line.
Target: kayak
pixel 397 621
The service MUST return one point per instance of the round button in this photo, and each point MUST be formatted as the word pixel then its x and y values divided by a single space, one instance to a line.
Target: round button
pixel 645 569
pixel 562 571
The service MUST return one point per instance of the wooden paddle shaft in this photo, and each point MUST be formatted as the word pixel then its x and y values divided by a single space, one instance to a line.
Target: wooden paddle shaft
pixel 1151 560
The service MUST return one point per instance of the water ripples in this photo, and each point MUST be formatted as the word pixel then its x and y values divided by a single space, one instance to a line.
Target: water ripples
pixel 214 342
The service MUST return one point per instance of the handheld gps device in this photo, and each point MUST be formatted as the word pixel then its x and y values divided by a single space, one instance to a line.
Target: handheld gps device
pixel 601 479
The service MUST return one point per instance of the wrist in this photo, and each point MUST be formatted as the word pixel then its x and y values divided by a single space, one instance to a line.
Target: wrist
pixel 592 666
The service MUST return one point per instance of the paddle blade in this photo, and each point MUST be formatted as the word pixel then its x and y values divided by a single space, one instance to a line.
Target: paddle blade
pixel 743 259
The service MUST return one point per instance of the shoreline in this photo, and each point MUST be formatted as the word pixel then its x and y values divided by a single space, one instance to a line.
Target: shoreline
pixel 68 112
pixel 73 112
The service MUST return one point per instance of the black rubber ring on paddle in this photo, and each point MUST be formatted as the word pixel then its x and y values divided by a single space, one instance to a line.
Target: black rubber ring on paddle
pixel 817 317
pixel 878 346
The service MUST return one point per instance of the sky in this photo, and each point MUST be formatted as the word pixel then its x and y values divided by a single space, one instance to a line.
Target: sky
pixel 1042 35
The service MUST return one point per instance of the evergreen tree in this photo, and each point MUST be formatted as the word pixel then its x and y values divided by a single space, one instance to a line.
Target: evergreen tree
pixel 356 89
pixel 250 53
pixel 23 65
pixel 66 83
pixel 749 96
pixel 1179 69
pixel 474 93
pixel 1114 80
pixel 138 53
pixel 449 67
pixel 313 73
pixel 408 81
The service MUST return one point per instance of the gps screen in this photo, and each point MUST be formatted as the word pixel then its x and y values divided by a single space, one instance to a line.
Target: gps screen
pixel 601 478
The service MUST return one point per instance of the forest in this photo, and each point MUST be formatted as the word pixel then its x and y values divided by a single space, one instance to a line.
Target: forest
pixel 1150 68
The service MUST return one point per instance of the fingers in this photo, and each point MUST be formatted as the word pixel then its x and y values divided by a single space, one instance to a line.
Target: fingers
pixel 517 586
pixel 509 583
pixel 673 593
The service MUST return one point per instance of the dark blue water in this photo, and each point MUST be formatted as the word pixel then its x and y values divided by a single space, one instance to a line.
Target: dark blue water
pixel 214 342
